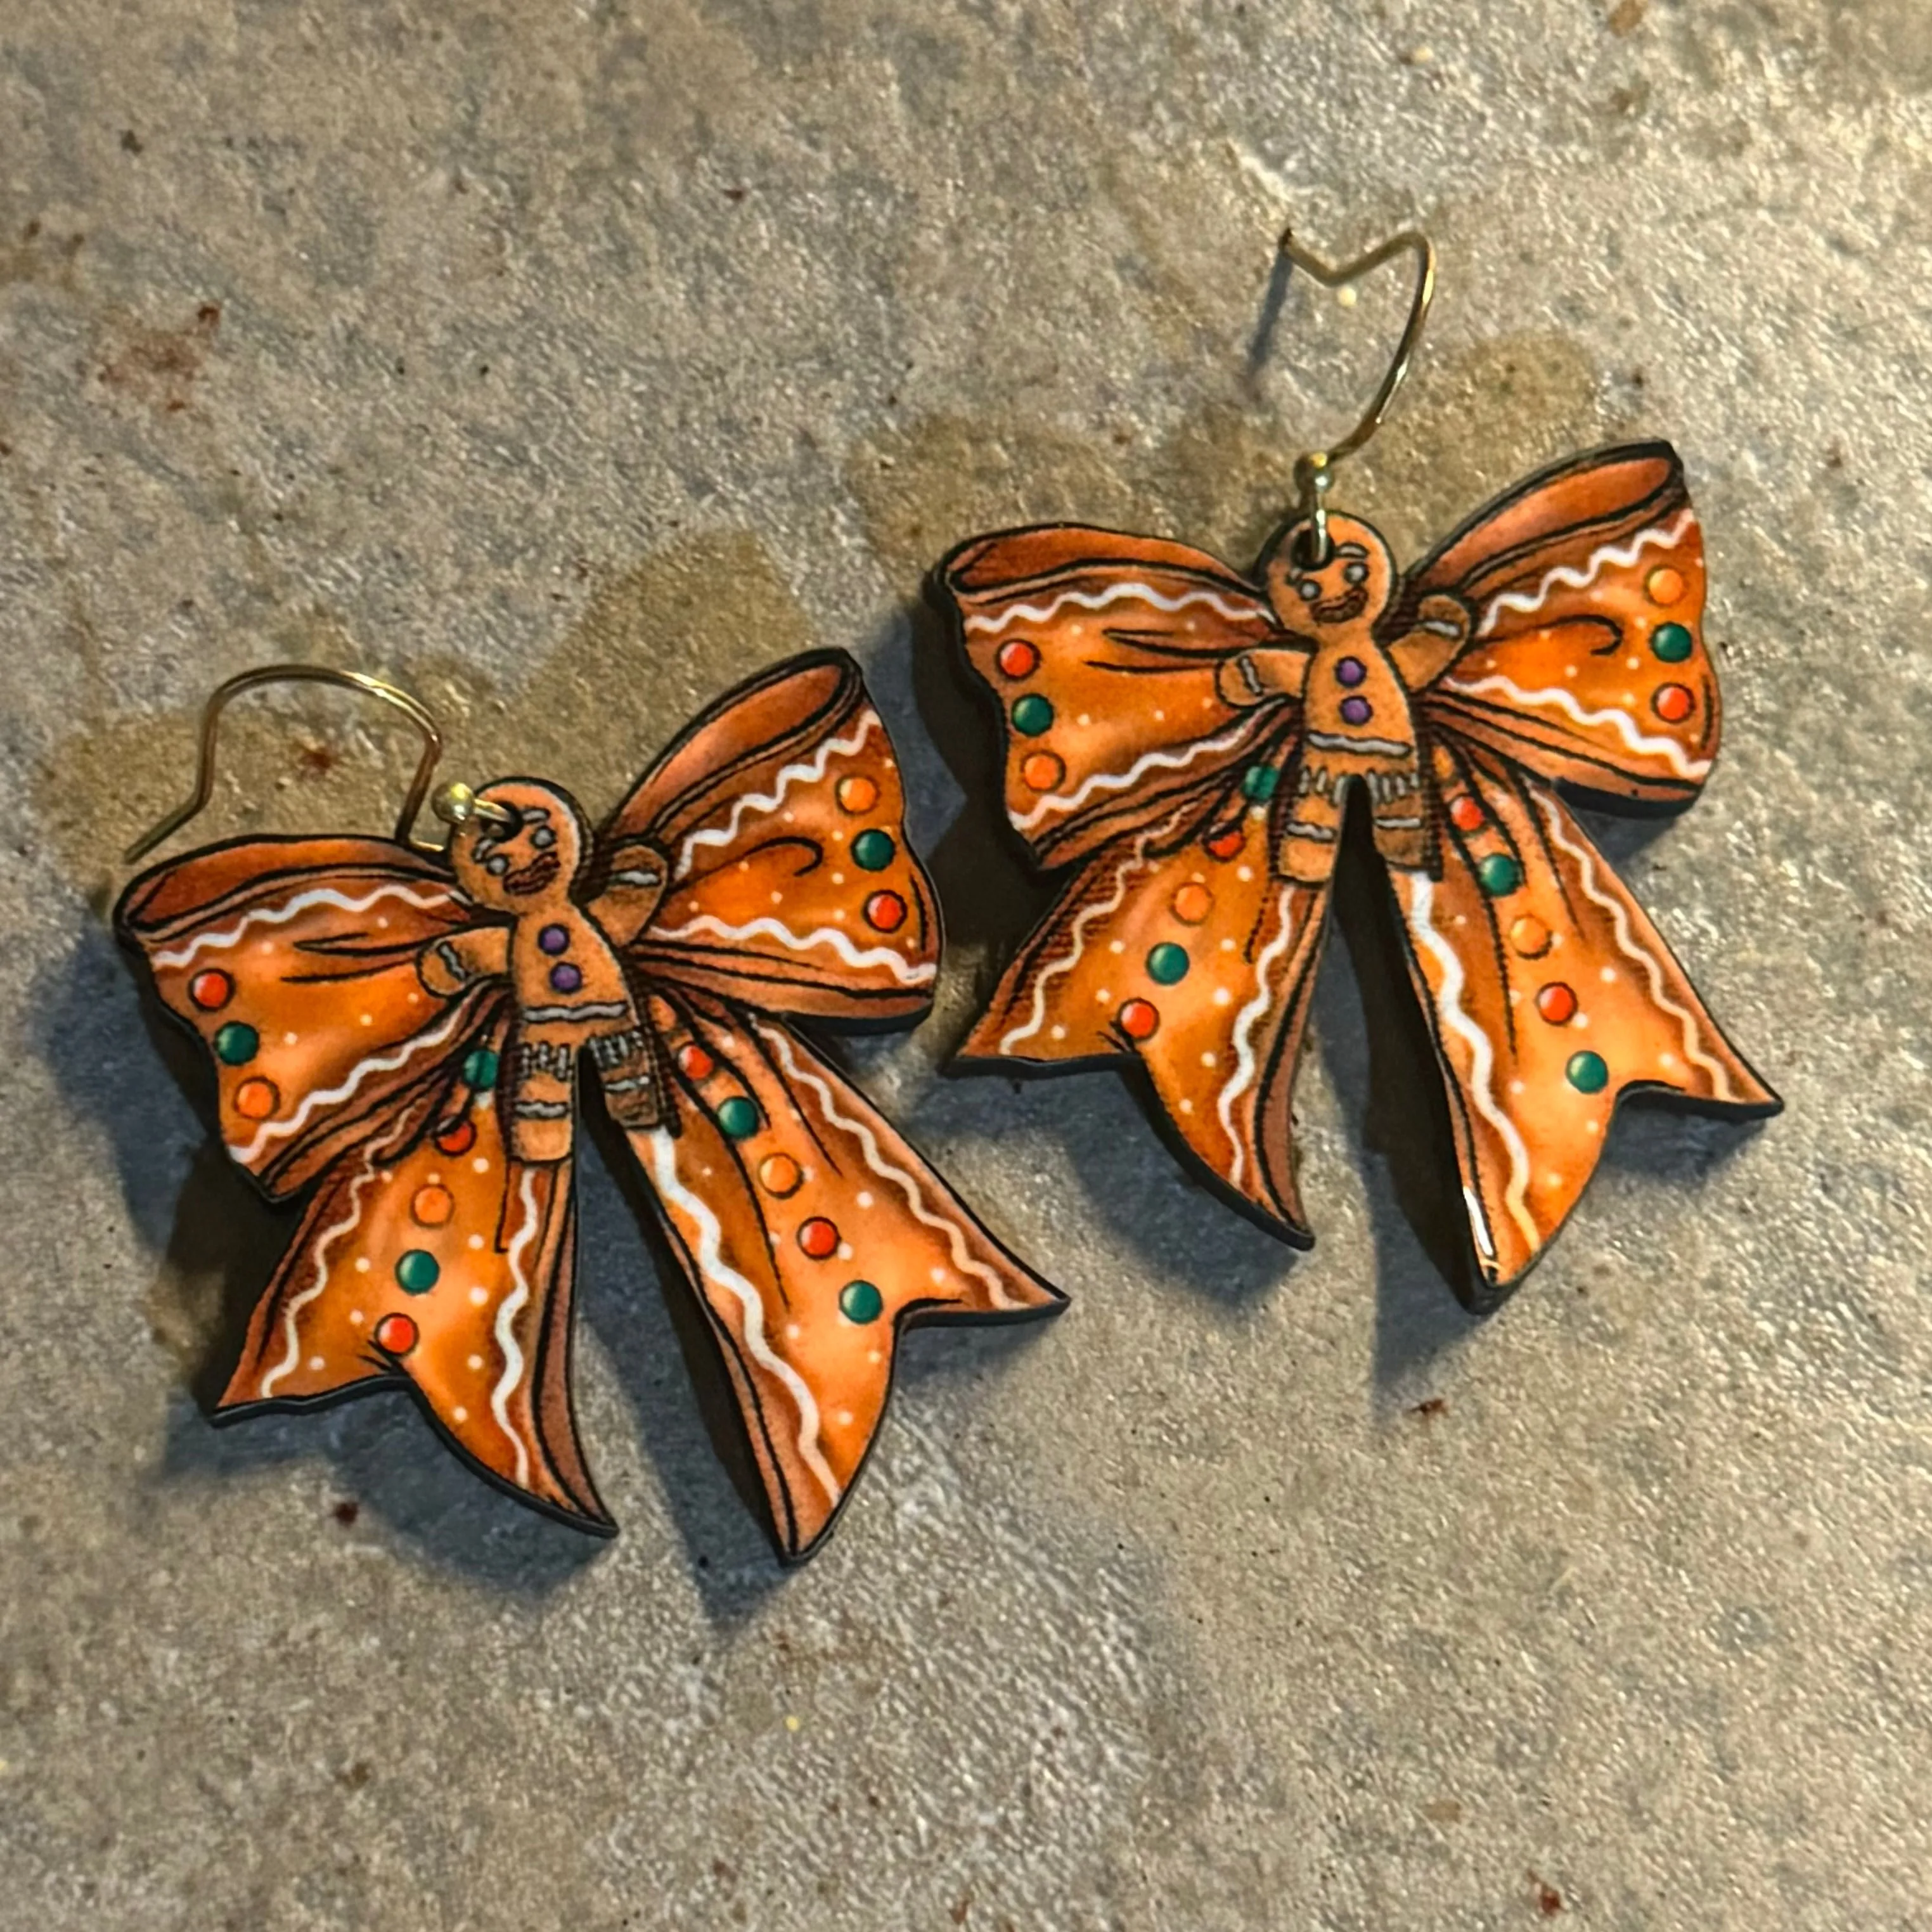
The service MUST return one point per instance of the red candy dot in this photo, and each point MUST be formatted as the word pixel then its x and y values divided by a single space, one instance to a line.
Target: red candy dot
pixel 1673 703
pixel 1018 659
pixel 1226 844
pixel 1465 813
pixel 819 1237
pixel 457 1136
pixel 886 911
pixel 694 1062
pixel 1557 1003
pixel 395 1334
pixel 210 989
pixel 1139 1019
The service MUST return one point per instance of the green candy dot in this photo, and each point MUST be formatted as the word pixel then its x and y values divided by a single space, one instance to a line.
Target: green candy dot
pixel 859 1301
pixel 1500 873
pixel 479 1068
pixel 417 1271
pixel 1032 715
pixel 738 1117
pixel 1587 1073
pixel 1259 782
pixel 1672 643
pixel 235 1044
pixel 873 849
pixel 1168 963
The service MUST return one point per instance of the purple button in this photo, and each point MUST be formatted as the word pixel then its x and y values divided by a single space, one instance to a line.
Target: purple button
pixel 566 979
pixel 554 939
pixel 1350 671
pixel 1354 711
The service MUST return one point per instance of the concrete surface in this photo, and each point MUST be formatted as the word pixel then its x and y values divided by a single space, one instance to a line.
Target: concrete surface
pixel 572 361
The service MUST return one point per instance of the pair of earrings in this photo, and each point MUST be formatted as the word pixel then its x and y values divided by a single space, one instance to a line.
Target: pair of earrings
pixel 396 1026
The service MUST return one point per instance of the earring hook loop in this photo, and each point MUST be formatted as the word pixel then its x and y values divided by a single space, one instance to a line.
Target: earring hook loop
pixel 411 707
pixel 1315 472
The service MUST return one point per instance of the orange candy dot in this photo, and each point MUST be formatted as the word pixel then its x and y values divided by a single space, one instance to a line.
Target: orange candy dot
pixel 1557 1003
pixel 1465 813
pixel 1673 703
pixel 1664 585
pixel 432 1206
pixel 1529 936
pixel 1017 658
pixel 395 1334
pixel 1139 1019
pixel 694 1062
pixel 779 1173
pixel 1192 904
pixel 856 794
pixel 886 911
pixel 457 1136
pixel 256 1099
pixel 1042 770
pixel 819 1237
pixel 210 989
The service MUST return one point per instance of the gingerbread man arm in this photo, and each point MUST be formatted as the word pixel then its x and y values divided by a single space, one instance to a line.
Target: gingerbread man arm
pixel 1251 677
pixel 1442 626
pixel 478 953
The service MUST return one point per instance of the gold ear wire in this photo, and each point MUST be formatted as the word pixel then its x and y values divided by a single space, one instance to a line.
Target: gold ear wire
pixel 412 708
pixel 1315 472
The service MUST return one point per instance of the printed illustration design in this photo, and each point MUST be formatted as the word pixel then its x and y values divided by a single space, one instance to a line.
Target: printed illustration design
pixel 1186 741
pixel 403 1036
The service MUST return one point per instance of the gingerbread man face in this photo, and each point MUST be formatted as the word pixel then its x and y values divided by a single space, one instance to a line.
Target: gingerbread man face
pixel 517 869
pixel 1352 587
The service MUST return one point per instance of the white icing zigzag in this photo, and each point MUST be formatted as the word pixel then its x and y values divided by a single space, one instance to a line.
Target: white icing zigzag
pixel 1120 780
pixel 291 1315
pixel 964 1262
pixel 1620 555
pixel 906 972
pixel 506 1333
pixel 1720 1084
pixel 1082 919
pixel 436 901
pixel 1134 591
pixel 713 1267
pixel 1244 1025
pixel 275 1130
pixel 1619 722
pixel 1482 1064
pixel 761 803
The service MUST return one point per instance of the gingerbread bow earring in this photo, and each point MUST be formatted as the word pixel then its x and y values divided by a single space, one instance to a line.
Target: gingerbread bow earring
pixel 397 1029
pixel 1186 741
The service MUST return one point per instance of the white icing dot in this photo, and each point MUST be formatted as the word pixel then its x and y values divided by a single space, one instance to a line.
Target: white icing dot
pixel 368 1019
pixel 1517 1087
pixel 361 1263
pixel 436 1180
pixel 873 1356
pixel 1569 670
pixel 789 815
pixel 1592 1126
pixel 476 1241
pixel 477 1296
pixel 838 878
pixel 1187 1106
pixel 1582 1019
pixel 1553 1180
pixel 1117 945
pixel 481 1164
pixel 315 1363
pixel 793 1331
pixel 1058 1032
pixel 1083 719
pixel 1103 996
pixel 415 999
pixel 844 1251
pixel 1223 997
pixel 265 945
pixel 1630 664
pixel 1666 1060
pixel 1227 946
pixel 288 1040
pixel 865 1197
pixel 483 1099
pixel 356 1317
pixel 1159 717
pixel 937 1276
pixel 476 1361
pixel 778 898
pixel 1207 1060
pixel 1609 974
pixel 844 1418
pixel 383 920
pixel 1244 873
pixel 839 915
pixel 459 1415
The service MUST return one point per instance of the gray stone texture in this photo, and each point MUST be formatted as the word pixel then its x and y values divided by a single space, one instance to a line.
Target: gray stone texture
pixel 570 362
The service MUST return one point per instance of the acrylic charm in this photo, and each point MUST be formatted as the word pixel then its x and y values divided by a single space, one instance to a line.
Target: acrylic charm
pixel 396 1031
pixel 1184 741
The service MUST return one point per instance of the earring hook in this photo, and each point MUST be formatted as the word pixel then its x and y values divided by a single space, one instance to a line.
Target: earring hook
pixel 412 708
pixel 1314 473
